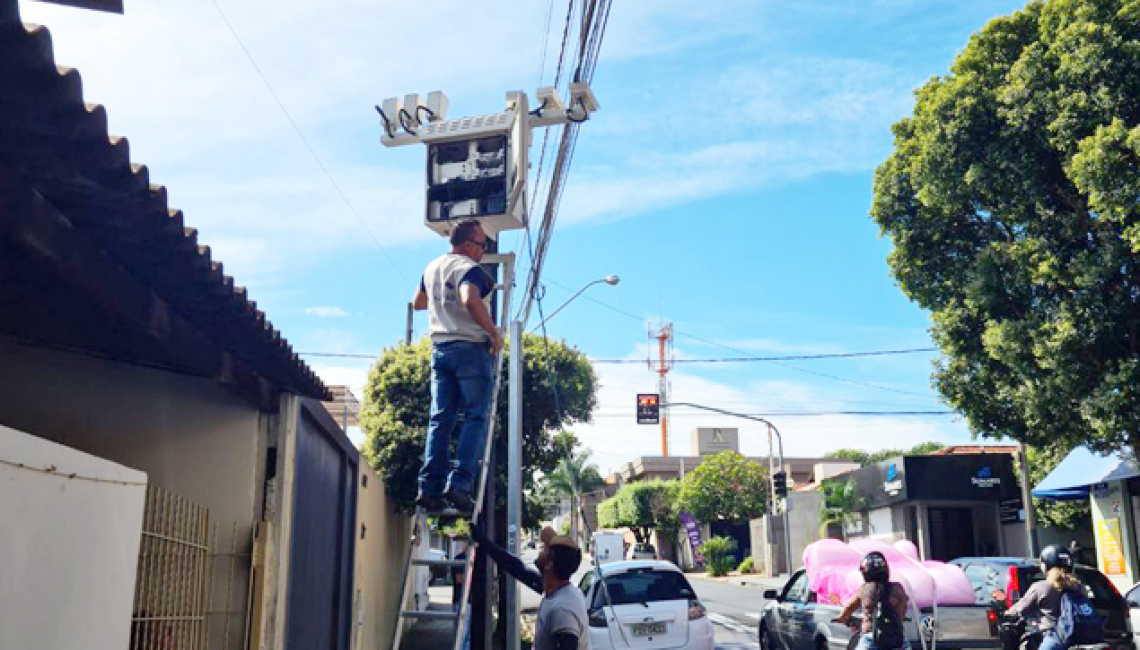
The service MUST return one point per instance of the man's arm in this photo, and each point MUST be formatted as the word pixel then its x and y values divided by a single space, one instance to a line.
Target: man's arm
pixel 508 562
pixel 473 302
pixel 420 300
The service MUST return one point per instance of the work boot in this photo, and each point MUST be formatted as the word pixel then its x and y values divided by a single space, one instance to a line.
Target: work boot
pixel 429 503
pixel 460 499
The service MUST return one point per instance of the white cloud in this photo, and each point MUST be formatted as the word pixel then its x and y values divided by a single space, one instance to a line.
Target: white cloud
pixel 326 312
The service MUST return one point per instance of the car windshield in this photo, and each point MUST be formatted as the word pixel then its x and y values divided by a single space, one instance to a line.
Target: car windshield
pixel 1097 588
pixel 644 586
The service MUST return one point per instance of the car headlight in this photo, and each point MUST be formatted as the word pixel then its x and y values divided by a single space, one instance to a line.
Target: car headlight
pixel 696 610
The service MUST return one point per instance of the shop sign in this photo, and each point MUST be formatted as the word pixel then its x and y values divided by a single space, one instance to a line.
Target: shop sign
pixel 1109 548
pixel 894 482
pixel 985 478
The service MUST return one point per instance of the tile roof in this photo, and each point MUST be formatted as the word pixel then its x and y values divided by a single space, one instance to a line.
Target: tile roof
pixel 61 146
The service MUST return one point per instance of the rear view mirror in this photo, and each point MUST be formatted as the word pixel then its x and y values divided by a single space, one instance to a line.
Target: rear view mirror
pixel 771 594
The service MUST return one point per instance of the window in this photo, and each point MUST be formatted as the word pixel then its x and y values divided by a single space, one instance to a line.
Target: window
pixel 1100 590
pixel 986 579
pixel 798 591
pixel 643 586
pixel 587 581
pixel 1133 597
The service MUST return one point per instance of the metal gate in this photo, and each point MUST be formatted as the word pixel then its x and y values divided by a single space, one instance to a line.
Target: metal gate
pixel 324 518
pixel 173 579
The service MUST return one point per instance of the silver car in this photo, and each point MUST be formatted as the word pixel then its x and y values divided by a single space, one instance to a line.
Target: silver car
pixel 793 620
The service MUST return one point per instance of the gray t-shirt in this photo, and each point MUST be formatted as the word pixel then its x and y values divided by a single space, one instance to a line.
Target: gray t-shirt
pixel 1040 599
pixel 562 611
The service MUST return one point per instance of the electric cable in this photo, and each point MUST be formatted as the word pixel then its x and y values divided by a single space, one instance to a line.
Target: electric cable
pixel 404 114
pixel 305 141
pixel 387 122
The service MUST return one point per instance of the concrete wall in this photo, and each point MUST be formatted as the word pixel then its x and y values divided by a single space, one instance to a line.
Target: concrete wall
pixel 69 546
pixel 382 537
pixel 190 436
pixel 1113 528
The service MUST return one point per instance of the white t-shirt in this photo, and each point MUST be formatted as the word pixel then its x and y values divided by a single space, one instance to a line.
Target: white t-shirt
pixel 562 611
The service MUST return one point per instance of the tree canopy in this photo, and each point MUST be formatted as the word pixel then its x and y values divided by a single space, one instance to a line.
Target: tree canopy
pixel 1011 201
pixel 397 399
pixel 642 507
pixel 864 457
pixel 725 486
pixel 1065 515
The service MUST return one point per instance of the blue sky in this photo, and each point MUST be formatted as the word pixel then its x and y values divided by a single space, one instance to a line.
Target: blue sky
pixel 726 179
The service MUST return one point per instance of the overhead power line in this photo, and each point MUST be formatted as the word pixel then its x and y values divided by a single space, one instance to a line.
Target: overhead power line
pixel 798 357
pixel 305 141
pixel 794 357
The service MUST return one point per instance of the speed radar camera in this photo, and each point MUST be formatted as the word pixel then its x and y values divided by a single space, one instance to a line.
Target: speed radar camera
pixel 477 166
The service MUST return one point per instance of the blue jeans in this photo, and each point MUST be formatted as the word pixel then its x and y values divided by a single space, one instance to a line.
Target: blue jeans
pixel 1050 641
pixel 867 642
pixel 460 386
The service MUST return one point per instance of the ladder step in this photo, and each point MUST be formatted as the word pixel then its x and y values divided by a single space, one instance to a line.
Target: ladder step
pixel 424 561
pixel 436 615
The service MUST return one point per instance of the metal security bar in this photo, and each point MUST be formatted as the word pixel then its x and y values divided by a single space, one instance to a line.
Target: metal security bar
pixel 174 579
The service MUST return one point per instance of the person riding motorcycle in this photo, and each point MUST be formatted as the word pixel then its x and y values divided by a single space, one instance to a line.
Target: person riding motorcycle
pixel 876 583
pixel 1043 598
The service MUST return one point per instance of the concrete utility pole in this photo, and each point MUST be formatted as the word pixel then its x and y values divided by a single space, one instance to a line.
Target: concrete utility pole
pixel 1027 501
pixel 514 475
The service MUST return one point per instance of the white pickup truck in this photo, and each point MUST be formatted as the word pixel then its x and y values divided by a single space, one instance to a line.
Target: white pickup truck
pixel 793 620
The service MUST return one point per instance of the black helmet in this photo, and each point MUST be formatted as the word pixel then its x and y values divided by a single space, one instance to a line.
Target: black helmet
pixel 1056 555
pixel 874 567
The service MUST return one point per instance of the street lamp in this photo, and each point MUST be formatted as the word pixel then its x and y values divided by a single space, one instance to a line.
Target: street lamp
pixel 609 279
pixel 772 429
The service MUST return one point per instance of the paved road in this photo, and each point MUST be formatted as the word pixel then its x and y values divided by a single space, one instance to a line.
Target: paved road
pixel 734 612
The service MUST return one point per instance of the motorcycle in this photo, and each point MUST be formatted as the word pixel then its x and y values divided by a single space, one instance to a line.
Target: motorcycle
pixel 1020 633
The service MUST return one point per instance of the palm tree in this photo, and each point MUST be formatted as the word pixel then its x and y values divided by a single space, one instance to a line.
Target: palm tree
pixel 841 505
pixel 573 478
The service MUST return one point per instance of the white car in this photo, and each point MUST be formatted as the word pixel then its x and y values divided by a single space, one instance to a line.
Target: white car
pixel 641 551
pixel 644 604
pixel 1133 598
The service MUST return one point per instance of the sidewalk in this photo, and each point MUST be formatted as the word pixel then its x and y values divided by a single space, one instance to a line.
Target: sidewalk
pixel 745 579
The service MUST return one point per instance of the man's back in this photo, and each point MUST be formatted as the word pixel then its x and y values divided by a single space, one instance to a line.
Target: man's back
pixel 449 320
pixel 564 610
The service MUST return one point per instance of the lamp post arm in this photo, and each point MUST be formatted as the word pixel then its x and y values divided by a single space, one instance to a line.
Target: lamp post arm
pixel 779 439
pixel 563 305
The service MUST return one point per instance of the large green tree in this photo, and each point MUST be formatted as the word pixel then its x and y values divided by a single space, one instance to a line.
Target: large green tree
pixel 1065 515
pixel 725 486
pixel 643 506
pixel 559 388
pixel 1011 200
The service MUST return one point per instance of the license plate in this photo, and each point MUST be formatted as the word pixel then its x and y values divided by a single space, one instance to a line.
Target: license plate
pixel 648 629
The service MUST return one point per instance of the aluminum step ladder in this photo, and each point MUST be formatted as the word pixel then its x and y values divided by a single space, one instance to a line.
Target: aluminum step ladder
pixel 461 618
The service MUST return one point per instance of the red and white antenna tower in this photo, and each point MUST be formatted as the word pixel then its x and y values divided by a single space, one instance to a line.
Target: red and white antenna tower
pixel 663 334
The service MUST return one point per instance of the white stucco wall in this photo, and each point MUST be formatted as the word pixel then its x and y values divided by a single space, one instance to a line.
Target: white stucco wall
pixel 191 436
pixel 69 546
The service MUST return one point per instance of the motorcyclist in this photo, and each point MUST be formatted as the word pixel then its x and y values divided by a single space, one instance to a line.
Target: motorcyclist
pixel 1043 598
pixel 876 583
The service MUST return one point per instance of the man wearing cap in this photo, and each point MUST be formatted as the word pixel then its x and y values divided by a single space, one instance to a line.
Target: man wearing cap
pixel 561 622
pixel 456 291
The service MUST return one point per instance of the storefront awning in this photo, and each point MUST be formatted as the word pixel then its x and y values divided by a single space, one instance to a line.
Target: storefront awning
pixel 1081 470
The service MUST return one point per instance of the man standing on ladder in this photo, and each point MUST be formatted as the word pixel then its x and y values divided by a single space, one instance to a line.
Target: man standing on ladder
pixel 456 291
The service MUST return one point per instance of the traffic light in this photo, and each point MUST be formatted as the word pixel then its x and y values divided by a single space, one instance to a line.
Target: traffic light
pixel 648 408
pixel 780 484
